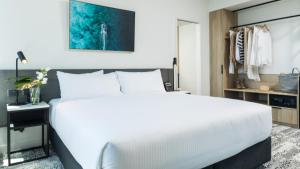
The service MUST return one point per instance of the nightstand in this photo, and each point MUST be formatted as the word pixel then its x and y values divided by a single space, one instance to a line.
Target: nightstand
pixel 181 91
pixel 21 117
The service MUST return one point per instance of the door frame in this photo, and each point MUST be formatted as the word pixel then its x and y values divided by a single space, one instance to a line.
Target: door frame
pixel 198 59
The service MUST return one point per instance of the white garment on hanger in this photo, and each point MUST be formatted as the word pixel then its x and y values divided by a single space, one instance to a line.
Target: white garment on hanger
pixel 260 53
pixel 250 36
pixel 231 64
pixel 252 72
pixel 265 48
pixel 237 49
pixel 261 50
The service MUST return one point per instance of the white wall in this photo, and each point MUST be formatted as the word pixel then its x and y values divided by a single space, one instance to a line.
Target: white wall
pixel 189 58
pixel 220 4
pixel 285 33
pixel 40 29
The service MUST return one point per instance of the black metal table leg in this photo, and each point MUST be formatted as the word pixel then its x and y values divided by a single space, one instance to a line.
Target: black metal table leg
pixel 48 137
pixel 8 139
pixel 43 138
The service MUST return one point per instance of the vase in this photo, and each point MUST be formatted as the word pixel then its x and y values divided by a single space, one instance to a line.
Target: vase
pixel 35 93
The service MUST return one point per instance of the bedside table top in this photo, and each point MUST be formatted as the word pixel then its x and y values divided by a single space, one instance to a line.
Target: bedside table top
pixel 29 106
pixel 181 91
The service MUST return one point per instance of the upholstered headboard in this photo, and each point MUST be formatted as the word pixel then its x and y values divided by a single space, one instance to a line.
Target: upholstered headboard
pixel 51 90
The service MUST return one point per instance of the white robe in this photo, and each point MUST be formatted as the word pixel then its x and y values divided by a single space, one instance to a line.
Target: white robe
pixel 260 52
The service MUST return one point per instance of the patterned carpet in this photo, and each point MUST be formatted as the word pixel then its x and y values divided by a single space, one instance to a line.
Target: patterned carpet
pixel 285 153
pixel 285 148
pixel 52 162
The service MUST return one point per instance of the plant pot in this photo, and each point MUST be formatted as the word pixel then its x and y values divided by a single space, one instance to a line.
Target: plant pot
pixel 35 94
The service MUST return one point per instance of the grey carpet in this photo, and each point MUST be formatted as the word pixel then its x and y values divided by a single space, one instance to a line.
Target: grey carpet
pixel 285 153
pixel 285 148
pixel 52 162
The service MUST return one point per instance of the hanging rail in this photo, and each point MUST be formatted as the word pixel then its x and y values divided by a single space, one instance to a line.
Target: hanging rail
pixel 265 21
pixel 253 6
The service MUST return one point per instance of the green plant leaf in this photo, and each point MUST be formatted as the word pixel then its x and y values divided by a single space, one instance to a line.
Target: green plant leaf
pixel 19 84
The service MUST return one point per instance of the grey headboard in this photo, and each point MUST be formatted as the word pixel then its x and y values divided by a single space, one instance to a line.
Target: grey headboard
pixel 51 90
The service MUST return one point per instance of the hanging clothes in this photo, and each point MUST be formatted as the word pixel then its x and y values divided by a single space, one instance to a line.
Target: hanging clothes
pixel 237 49
pixel 252 73
pixel 240 46
pixel 265 46
pixel 261 52
pixel 232 61
pixel 246 43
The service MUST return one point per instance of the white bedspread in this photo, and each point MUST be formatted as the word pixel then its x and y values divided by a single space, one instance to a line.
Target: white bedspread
pixel 171 131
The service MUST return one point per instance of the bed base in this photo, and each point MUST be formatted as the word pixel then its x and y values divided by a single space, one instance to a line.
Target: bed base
pixel 62 152
pixel 251 158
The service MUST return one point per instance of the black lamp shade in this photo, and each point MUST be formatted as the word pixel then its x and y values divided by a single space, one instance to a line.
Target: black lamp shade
pixel 22 57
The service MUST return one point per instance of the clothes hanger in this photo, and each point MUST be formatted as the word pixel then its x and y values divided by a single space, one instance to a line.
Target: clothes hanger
pixel 236 29
pixel 250 27
pixel 265 27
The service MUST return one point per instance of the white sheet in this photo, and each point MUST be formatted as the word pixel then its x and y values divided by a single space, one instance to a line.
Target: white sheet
pixel 171 131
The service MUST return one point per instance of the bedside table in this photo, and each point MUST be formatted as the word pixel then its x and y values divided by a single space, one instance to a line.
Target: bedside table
pixel 21 117
pixel 181 91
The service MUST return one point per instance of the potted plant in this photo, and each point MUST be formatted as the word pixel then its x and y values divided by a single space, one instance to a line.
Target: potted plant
pixel 34 85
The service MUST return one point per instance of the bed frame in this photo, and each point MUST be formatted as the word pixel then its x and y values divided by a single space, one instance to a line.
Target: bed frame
pixel 250 158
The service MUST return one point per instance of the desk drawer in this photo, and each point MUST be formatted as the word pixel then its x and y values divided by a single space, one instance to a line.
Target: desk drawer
pixel 285 115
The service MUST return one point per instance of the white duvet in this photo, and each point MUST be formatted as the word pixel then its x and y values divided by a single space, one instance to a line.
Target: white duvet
pixel 168 131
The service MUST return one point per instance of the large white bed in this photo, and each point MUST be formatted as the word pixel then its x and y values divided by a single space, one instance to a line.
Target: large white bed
pixel 157 131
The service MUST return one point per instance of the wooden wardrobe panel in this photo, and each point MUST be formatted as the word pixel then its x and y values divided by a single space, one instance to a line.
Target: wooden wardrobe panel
pixel 220 23
pixel 215 19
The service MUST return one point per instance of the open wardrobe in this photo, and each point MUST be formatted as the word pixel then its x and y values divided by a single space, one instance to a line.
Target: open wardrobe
pixel 254 56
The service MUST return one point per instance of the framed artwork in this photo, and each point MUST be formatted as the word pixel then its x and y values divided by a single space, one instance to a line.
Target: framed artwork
pixel 96 27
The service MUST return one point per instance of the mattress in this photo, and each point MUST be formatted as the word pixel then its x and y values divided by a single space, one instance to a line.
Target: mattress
pixel 158 131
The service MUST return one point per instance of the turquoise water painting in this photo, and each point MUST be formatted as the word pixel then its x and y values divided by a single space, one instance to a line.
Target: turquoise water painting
pixel 97 27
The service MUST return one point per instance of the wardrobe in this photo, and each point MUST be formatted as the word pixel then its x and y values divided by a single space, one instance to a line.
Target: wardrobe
pixel 220 23
pixel 223 84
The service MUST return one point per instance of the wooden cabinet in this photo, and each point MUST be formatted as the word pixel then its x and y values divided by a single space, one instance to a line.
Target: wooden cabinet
pixel 285 115
pixel 220 23
pixel 285 106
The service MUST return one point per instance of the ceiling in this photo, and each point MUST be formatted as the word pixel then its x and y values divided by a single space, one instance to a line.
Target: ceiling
pixel 247 4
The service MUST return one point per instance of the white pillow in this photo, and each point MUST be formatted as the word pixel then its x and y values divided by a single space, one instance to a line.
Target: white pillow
pixel 141 82
pixel 74 86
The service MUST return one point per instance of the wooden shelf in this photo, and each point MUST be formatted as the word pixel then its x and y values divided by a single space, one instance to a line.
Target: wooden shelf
pixel 261 98
pixel 287 114
pixel 262 92
pixel 234 95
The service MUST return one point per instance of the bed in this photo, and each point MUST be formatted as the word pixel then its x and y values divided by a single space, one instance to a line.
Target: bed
pixel 154 131
pixel 157 130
